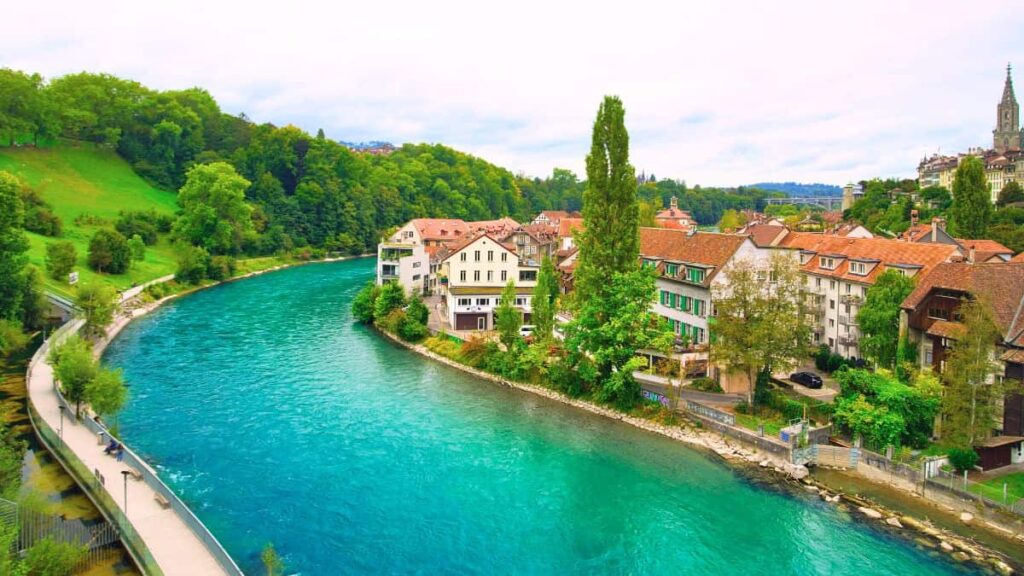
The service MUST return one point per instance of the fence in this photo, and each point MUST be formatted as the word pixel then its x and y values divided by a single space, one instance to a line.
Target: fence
pixel 990 496
pixel 94 488
pixel 100 542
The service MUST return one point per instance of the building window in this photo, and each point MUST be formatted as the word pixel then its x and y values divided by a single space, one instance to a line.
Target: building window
pixel 671 269
pixel 462 256
pixel 465 302
pixel 831 322
pixel 831 284
pixel 858 268
pixel 504 256
pixel 817 282
pixel 827 263
pixel 483 301
pixel 938 313
pixel 490 255
pixel 476 275
pixel 504 275
pixel 416 264
pixel 848 288
pixel 527 275
pixel 664 298
pixel 476 256
pixel 490 275
pixel 416 277
pixel 520 300
pixel 462 275
pixel 832 304
pixel 695 275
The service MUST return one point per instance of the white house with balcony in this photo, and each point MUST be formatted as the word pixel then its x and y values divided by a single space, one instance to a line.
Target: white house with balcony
pixel 408 264
pixel 472 277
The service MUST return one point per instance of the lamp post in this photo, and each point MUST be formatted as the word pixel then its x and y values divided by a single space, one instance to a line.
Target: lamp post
pixel 124 474
pixel 61 432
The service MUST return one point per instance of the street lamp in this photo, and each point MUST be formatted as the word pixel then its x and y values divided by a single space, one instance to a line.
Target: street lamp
pixel 61 433
pixel 125 474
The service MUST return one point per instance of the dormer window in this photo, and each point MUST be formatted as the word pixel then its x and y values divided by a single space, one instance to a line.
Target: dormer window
pixel 695 275
pixel 671 269
pixel 858 268
pixel 827 263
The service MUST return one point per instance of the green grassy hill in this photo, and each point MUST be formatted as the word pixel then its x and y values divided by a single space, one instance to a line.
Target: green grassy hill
pixel 86 180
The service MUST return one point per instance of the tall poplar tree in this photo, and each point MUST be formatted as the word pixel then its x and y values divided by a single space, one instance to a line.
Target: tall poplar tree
pixel 13 245
pixel 879 317
pixel 610 241
pixel 543 303
pixel 972 203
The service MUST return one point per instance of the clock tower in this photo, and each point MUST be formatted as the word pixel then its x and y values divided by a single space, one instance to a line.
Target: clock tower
pixel 1007 135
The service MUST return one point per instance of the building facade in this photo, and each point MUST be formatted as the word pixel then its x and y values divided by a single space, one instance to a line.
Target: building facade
pixel 474 273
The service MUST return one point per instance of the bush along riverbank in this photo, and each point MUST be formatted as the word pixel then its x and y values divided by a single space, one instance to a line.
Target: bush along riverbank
pixel 533 367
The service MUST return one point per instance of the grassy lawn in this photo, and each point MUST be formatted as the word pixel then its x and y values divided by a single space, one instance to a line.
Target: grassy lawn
pixel 772 426
pixel 993 488
pixel 82 178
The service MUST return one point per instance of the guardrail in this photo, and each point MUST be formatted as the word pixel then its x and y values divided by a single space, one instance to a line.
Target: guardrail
pixel 99 495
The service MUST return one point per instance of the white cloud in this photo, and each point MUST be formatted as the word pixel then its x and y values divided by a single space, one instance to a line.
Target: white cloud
pixel 727 94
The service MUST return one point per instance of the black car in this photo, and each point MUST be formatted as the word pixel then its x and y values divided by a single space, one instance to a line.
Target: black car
pixel 808 379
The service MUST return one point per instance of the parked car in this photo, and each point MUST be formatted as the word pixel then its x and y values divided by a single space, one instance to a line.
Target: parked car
pixel 526 330
pixel 808 379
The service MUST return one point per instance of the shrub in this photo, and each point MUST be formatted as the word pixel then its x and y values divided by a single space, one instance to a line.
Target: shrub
pixel 220 268
pixel 963 458
pixel 391 321
pixel 109 252
pixel 476 349
pixel 193 264
pixel 145 224
pixel 390 297
pixel 443 346
pixel 417 310
pixel 835 362
pixel 60 259
pixel 706 385
pixel 743 408
pixel 410 330
pixel 364 302
pixel 821 358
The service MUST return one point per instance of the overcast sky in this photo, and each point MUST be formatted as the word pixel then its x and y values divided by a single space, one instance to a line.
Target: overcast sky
pixel 731 93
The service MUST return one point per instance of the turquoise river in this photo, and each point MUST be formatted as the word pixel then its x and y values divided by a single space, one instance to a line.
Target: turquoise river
pixel 280 420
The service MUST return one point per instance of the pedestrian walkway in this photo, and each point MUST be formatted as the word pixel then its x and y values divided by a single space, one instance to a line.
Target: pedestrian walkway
pixel 174 546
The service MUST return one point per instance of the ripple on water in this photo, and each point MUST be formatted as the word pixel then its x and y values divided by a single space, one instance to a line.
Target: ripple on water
pixel 280 420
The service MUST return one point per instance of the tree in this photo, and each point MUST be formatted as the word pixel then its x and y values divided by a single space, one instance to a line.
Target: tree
pixel 608 331
pixel 98 303
pixel 214 213
pixel 271 561
pixel 879 317
pixel 507 318
pixel 973 395
pixel 390 297
pixel 731 220
pixel 12 338
pixel 543 303
pixel 74 367
pixel 137 248
pixel 33 301
pixel 109 252
pixel 1011 193
pixel 972 204
pixel 363 303
pixel 13 245
pixel 193 263
pixel 761 322
pixel 610 241
pixel 60 259
pixel 106 392
pixel 417 311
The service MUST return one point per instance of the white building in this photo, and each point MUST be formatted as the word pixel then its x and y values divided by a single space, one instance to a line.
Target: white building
pixel 408 264
pixel 472 276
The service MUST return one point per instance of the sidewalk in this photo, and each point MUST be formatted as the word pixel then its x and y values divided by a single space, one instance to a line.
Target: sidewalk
pixel 173 545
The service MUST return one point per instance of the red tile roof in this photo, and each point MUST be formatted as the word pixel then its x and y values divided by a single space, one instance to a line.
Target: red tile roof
pixel 1001 283
pixel 707 248
pixel 985 249
pixel 887 251
pixel 568 226
pixel 1018 258
pixel 765 235
pixel 440 228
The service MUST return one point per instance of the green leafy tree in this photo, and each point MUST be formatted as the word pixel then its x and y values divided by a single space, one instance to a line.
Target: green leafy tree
pixel 761 324
pixel 12 338
pixel 973 396
pixel 364 302
pixel 390 297
pixel 417 311
pixel 13 245
pixel 972 203
pixel 60 259
pixel 106 392
pixel 214 213
pixel 109 252
pixel 1011 193
pixel 98 303
pixel 507 318
pixel 137 248
pixel 610 241
pixel 879 317
pixel 33 301
pixel 75 368
pixel 608 331
pixel 193 264
pixel 543 303
pixel 731 220
pixel 272 563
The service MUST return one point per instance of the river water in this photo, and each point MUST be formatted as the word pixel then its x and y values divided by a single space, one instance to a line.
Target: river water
pixel 280 420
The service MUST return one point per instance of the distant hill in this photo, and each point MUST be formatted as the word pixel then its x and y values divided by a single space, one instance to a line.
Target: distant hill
pixel 88 185
pixel 800 190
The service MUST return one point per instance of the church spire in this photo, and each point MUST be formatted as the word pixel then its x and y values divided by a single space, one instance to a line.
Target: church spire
pixel 1008 95
pixel 1008 135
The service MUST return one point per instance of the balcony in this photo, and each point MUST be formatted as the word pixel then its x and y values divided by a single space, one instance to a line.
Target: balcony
pixel 847 341
pixel 848 320
pixel 850 299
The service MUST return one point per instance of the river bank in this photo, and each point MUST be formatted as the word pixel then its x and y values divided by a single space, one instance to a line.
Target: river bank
pixel 956 541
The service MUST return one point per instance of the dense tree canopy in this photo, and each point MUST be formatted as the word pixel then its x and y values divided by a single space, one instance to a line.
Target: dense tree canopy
pixel 879 317
pixel 971 211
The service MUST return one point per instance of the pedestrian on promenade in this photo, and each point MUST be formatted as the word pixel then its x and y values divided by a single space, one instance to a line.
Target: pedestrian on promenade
pixel 120 452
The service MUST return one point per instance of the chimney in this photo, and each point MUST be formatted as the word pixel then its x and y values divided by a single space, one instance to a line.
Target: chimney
pixel 674 203
pixel 970 255
pixel 913 218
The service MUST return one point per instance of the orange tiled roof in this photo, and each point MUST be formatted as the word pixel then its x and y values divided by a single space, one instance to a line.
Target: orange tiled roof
pixel 672 213
pixel 1001 283
pixel 1018 258
pixel 765 235
pixel 568 226
pixel 887 251
pixel 984 249
pixel 707 248
pixel 456 247
pixel 499 226
pixel 440 228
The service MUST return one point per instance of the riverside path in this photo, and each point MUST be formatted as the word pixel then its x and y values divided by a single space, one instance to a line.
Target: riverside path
pixel 174 546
